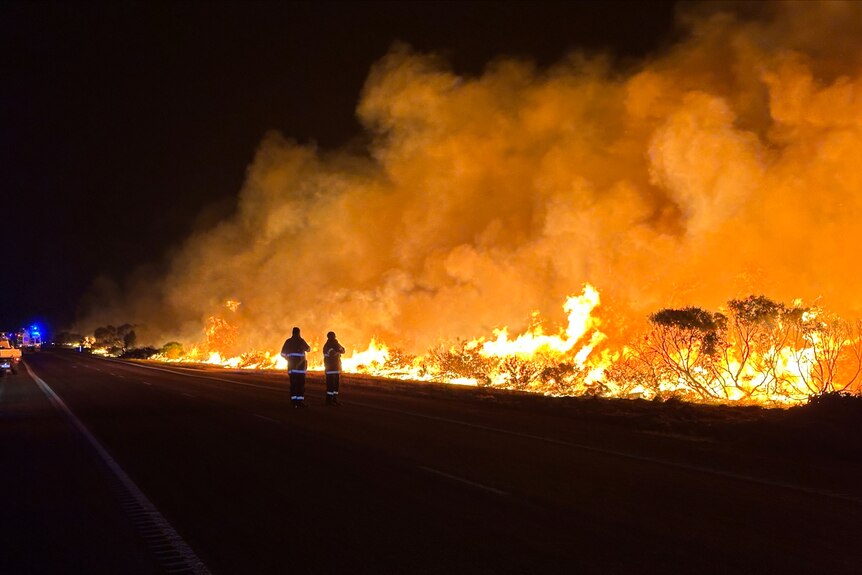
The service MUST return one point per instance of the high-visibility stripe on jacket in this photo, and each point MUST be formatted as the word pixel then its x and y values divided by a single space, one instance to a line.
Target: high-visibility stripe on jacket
pixel 332 351
pixel 296 363
pixel 293 351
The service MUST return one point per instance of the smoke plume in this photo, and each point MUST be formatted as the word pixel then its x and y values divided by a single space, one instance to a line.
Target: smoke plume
pixel 727 165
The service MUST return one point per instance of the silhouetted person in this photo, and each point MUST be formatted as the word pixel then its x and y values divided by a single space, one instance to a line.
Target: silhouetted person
pixel 293 351
pixel 332 351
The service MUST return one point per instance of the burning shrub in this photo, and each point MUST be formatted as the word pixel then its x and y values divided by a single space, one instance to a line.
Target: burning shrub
pixel 558 379
pixel 518 373
pixel 114 339
pixel 172 350
pixel 633 376
pixel 461 360
pixel 221 336
pixel 755 351
pixel 398 360
pixel 691 327
pixel 254 359
pixel 683 347
pixel 761 350
pixel 140 353
pixel 829 351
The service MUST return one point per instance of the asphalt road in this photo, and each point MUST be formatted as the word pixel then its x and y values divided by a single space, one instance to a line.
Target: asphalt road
pixel 189 470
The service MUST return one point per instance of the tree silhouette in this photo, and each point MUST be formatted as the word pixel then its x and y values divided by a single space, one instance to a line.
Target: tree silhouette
pixel 684 343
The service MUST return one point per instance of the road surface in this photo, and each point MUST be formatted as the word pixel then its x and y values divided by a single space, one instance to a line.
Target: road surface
pixel 120 467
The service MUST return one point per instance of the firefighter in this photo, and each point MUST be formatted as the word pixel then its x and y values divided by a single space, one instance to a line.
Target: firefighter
pixel 293 351
pixel 332 351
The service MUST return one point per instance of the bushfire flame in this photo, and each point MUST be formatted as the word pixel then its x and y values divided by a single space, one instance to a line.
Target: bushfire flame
pixel 725 165
pixel 763 353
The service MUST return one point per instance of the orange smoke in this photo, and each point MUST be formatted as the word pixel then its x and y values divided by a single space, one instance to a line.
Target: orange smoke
pixel 725 166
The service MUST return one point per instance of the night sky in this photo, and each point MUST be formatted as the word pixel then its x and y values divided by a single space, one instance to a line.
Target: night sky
pixel 126 126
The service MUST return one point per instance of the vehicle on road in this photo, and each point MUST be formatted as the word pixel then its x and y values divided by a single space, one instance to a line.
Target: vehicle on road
pixel 10 357
pixel 30 338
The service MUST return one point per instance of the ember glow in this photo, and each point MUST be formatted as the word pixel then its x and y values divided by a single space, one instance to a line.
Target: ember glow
pixel 761 352
pixel 584 229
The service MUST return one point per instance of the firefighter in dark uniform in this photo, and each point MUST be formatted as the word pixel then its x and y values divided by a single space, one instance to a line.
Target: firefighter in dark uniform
pixel 332 351
pixel 293 351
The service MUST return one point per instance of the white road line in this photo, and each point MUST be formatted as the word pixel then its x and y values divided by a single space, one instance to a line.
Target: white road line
pixel 462 480
pixel 271 420
pixel 613 452
pixel 631 456
pixel 176 371
pixel 194 564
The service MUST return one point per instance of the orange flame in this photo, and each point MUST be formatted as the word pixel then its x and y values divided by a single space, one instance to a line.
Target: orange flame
pixel 784 362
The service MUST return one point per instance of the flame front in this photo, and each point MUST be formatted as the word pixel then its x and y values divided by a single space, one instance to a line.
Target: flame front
pixel 725 165
pixel 534 341
pixel 779 356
